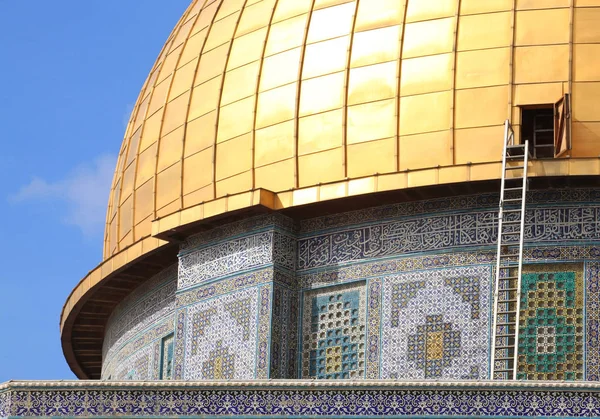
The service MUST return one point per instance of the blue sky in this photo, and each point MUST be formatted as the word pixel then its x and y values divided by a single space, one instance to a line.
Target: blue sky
pixel 71 72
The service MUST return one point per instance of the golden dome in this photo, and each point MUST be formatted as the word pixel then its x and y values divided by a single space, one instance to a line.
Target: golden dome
pixel 287 94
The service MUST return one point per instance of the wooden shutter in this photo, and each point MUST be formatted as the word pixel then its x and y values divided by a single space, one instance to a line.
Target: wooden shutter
pixel 562 126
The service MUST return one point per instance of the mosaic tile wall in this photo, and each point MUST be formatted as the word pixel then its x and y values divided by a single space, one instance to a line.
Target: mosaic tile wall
pixel 136 327
pixel 551 332
pixel 334 332
pixel 284 332
pixel 436 324
pixel 413 281
pixel 263 245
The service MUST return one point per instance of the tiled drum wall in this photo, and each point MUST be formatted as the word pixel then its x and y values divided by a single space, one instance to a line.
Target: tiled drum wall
pixel 396 292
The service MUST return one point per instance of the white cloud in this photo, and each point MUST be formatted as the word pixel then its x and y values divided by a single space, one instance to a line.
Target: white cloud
pixel 84 192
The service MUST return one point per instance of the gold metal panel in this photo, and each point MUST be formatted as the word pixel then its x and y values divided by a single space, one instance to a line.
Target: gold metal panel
pixel 143 229
pixel 378 14
pixel 482 68
pixel 169 208
pixel 428 38
pixel 537 27
pixel 321 4
pixel 206 16
pixel 228 7
pixel 286 35
pixel 585 102
pixel 426 150
pixel 184 78
pixel 183 33
pixel 169 64
pixel 540 4
pixel 240 83
pixel 586 139
pixel 170 148
pixel 276 105
pixel 587 3
pixel 221 32
pixel 211 64
pixel 476 145
pixel 277 176
pixel 535 94
pixel 204 98
pixel 586 62
pixel 236 119
pixel 247 48
pixel 168 185
pixel 280 69
pixel 320 132
pixel 151 131
pixel 193 47
pixel 146 165
pixel 286 9
pixel 325 57
pixel 132 150
pixel 198 171
pixel 140 113
pixel 322 93
pixel 375 46
pixel 274 143
pixel 326 166
pixel 371 121
pixel 371 83
pixel 235 184
pixel 419 10
pixel 435 105
pixel 426 74
pixel 484 31
pixel 201 195
pixel 481 107
pixel 144 201
pixel 126 241
pixel 234 156
pixel 371 157
pixel 541 64
pixel 255 16
pixel 175 113
pixel 128 179
pixel 159 96
pixel 331 22
pixel 586 28
pixel 116 193
pixel 469 7
pixel 200 133
pixel 112 237
pixel 126 217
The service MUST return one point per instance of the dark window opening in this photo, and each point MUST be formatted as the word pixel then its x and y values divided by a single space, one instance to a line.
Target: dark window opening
pixel 537 126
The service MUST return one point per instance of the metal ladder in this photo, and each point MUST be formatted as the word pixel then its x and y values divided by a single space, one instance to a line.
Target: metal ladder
pixel 509 259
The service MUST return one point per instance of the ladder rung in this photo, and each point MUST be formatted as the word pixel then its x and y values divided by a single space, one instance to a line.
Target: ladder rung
pixel 514 167
pixel 506 324
pixel 511 210
pixel 506 301
pixel 505 347
pixel 518 156
pixel 516 188
pixel 508 289
pixel 505 359
pixel 501 313
pixel 510 147
pixel 511 222
pixel 505 336
pixel 513 199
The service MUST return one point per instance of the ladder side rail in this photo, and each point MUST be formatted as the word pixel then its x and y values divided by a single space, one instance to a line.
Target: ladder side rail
pixel 520 268
pixel 507 130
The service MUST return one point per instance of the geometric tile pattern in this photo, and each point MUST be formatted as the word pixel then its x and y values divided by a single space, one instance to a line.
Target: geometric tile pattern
pixel 166 365
pixel 432 326
pixel 592 310
pixel 142 319
pixel 284 333
pixel 551 324
pixel 234 255
pixel 434 346
pixel 394 230
pixel 334 333
pixel 218 340
pixel 374 286
pixel 300 399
